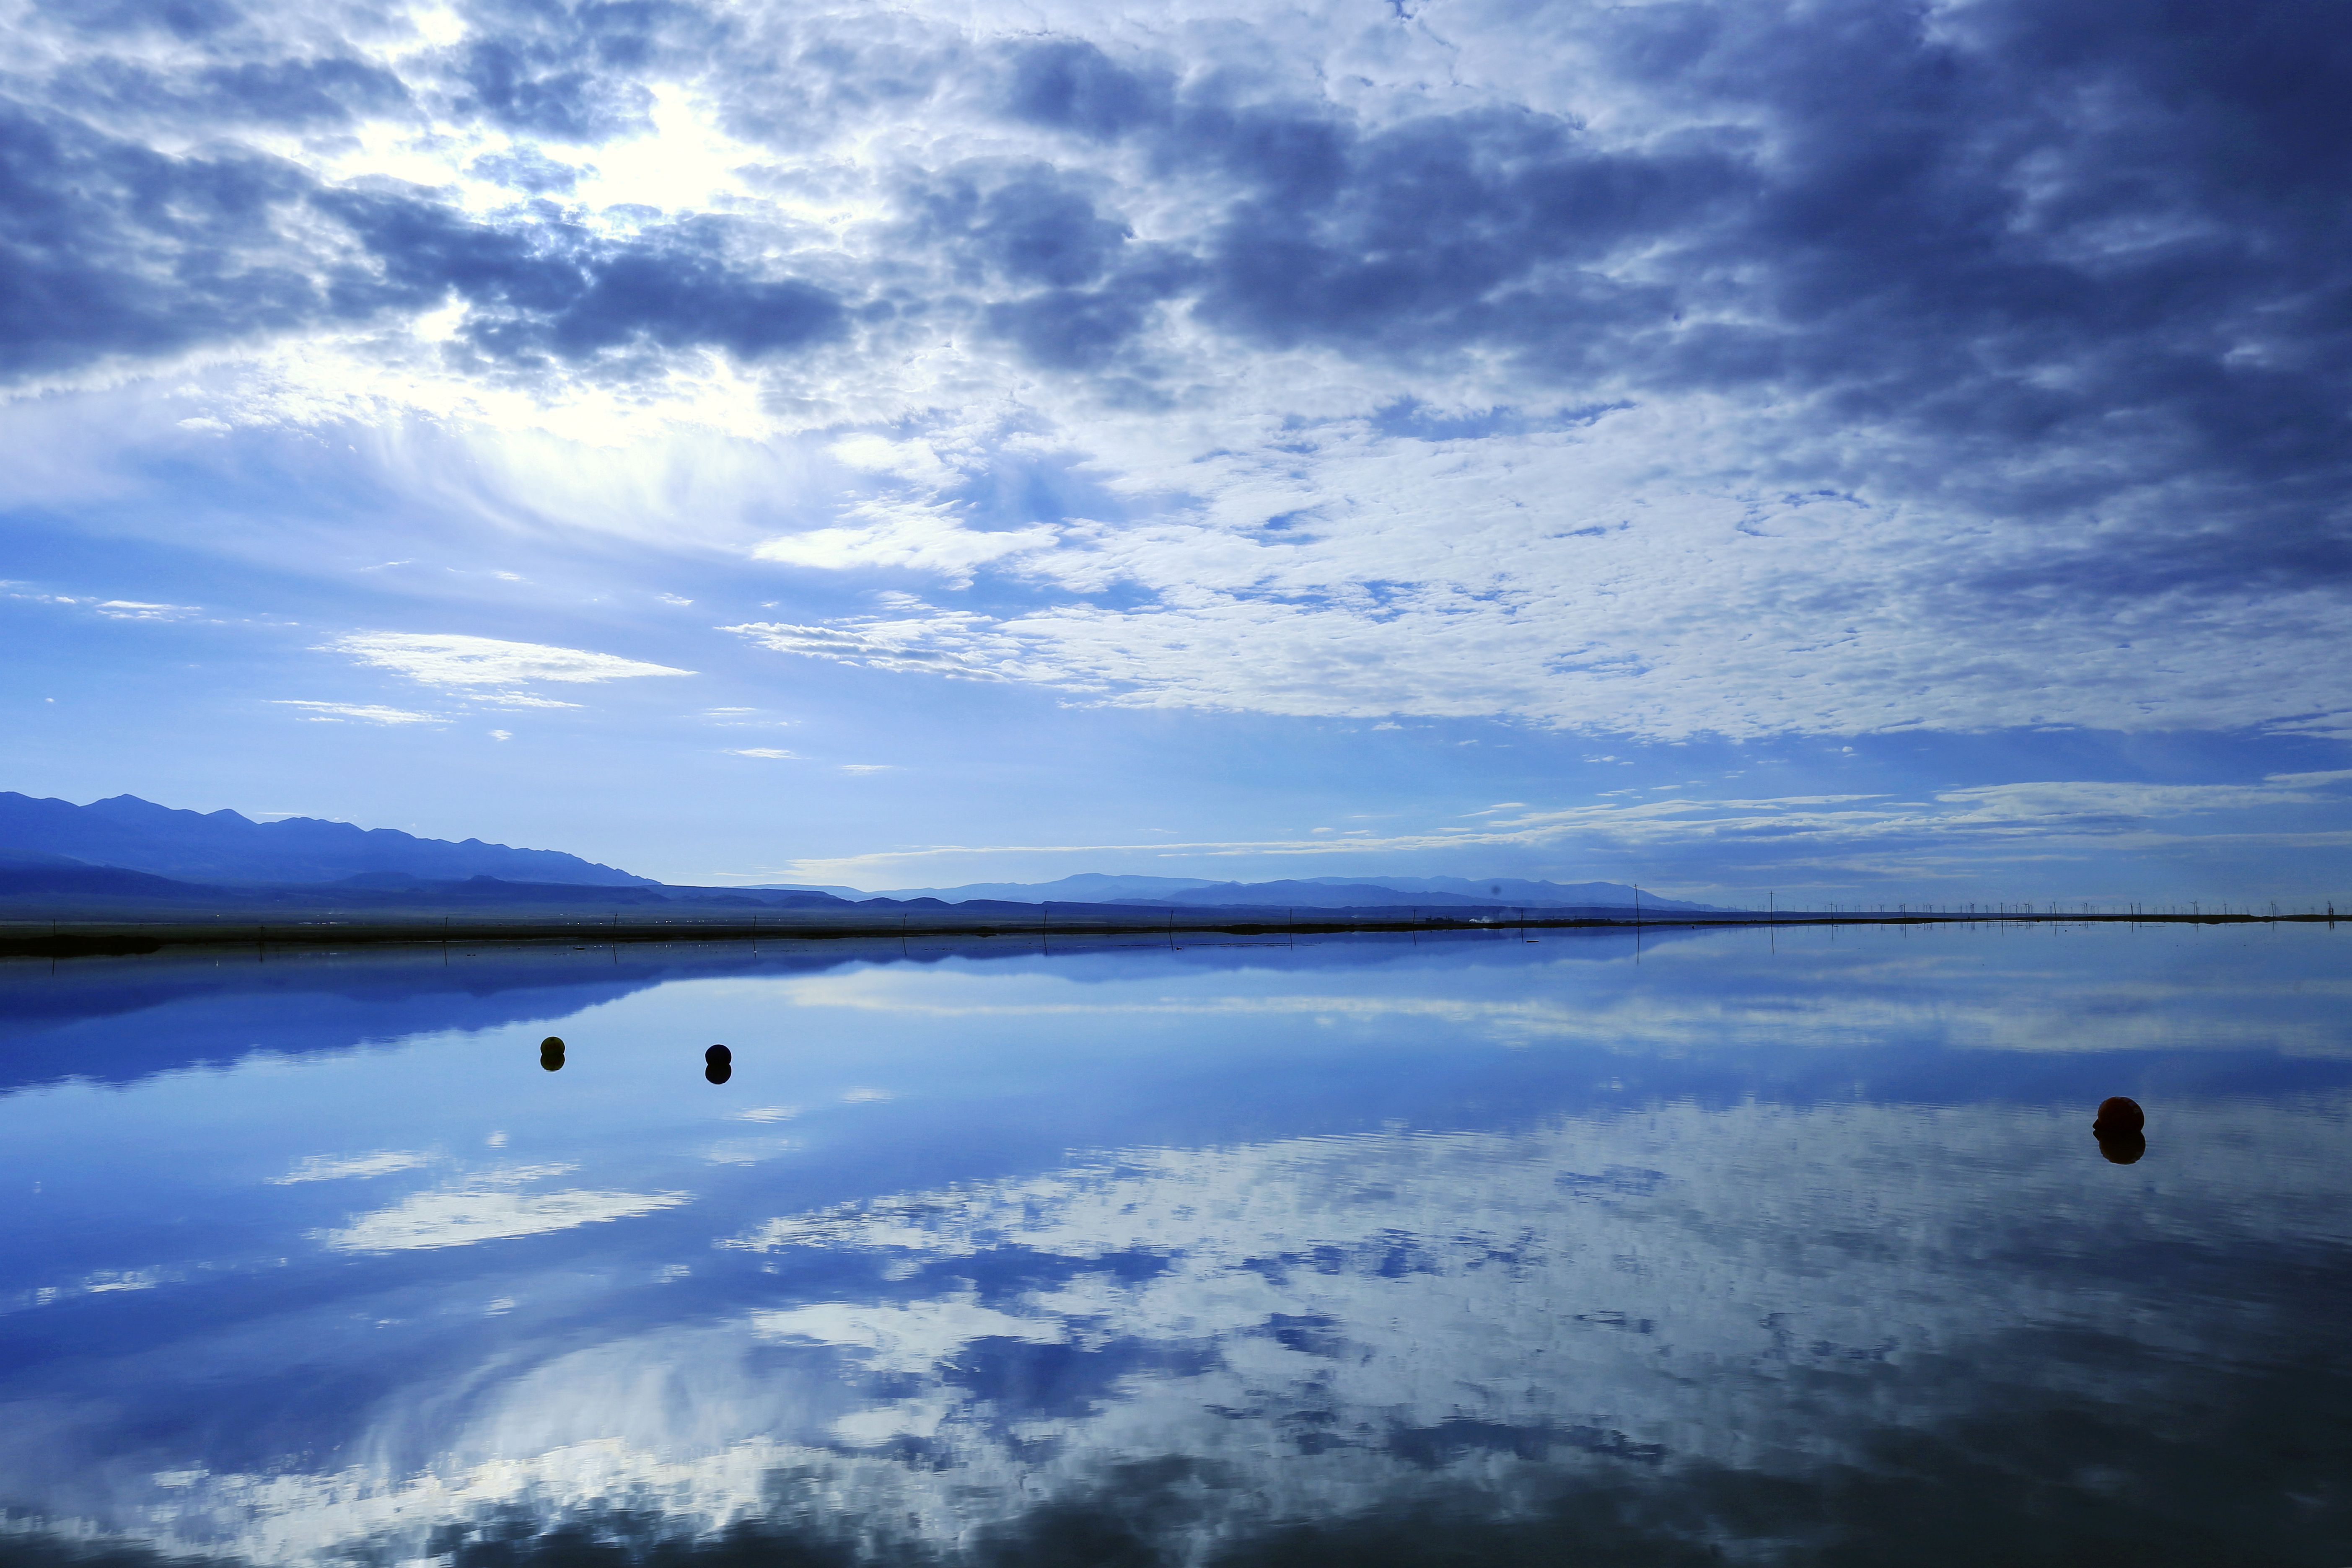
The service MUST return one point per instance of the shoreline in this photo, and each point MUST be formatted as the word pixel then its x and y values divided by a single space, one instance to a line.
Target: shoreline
pixel 102 937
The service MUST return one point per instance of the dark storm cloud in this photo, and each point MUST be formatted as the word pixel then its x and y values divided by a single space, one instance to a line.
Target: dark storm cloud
pixel 285 92
pixel 111 248
pixel 1074 86
pixel 181 18
pixel 573 72
pixel 2101 243
pixel 2079 258
pixel 540 88
pixel 1934 224
pixel 1084 291
pixel 548 289
pixel 1085 328
pixel 1443 233
pixel 108 247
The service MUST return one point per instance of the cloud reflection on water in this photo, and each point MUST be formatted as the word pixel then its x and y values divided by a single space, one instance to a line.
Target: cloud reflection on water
pixel 925 1327
pixel 1345 1320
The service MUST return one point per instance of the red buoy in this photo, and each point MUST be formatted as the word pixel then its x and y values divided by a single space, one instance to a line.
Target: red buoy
pixel 2118 1116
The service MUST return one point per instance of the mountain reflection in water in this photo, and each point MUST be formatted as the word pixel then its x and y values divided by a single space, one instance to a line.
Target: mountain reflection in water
pixel 1770 1248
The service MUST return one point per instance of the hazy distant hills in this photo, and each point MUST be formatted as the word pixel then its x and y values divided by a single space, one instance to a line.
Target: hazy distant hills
pixel 137 835
pixel 124 852
pixel 1311 893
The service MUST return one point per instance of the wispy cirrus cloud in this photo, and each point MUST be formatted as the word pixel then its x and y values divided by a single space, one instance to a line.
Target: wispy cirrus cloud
pixel 351 1167
pixel 447 660
pixel 947 645
pixel 136 609
pixel 360 713
pixel 489 1207
pixel 111 609
pixel 1846 828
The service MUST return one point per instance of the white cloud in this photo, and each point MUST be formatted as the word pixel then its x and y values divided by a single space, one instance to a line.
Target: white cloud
pixel 348 1167
pixel 1735 561
pixel 2056 812
pixel 1708 614
pixel 443 660
pixel 112 609
pixel 519 700
pixel 772 753
pixel 133 610
pixel 1545 1271
pixel 2042 806
pixel 489 1210
pixel 365 713
pixel 749 1151
pixel 907 534
pixel 918 461
pixel 934 645
pixel 913 1338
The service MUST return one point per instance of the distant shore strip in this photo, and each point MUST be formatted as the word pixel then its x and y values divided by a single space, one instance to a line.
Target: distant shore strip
pixel 65 938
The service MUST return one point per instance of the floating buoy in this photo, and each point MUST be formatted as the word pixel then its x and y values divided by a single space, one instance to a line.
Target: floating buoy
pixel 719 1072
pixel 718 1055
pixel 550 1053
pixel 2123 1148
pixel 2118 1117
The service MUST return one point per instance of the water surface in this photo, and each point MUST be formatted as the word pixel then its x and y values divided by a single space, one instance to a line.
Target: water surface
pixel 1741 1245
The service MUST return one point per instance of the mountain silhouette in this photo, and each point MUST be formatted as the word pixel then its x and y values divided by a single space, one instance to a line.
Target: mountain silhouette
pixel 128 834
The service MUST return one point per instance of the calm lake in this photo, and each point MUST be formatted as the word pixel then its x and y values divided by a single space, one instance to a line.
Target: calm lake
pixel 1744 1246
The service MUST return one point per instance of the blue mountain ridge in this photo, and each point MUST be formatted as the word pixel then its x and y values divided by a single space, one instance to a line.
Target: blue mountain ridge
pixel 128 834
pixel 125 850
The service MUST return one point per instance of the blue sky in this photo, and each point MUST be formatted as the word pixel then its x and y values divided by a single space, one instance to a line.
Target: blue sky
pixel 1860 450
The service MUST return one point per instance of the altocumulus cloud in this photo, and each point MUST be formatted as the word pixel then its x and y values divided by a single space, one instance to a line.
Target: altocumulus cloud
pixel 1678 368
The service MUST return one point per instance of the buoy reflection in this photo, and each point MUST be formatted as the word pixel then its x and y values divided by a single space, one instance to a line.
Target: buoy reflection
pixel 718 1072
pixel 2123 1148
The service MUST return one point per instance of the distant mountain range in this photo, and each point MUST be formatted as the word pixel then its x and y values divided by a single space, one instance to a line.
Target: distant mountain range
pixel 137 835
pixel 125 850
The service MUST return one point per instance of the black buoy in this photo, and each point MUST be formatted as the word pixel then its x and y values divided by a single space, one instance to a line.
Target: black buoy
pixel 719 1072
pixel 718 1056
pixel 2119 1116
pixel 2117 1126
pixel 550 1053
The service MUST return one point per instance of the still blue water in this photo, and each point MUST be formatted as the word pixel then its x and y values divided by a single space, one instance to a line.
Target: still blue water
pixel 1739 1247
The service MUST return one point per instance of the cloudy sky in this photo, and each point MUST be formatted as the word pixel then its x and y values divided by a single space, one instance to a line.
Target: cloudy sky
pixel 1860 449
